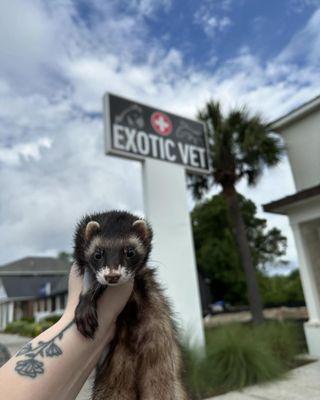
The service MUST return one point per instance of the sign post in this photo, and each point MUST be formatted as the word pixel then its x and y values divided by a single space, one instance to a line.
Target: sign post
pixel 168 145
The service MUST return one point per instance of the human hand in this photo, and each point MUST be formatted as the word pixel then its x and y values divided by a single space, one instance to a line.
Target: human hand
pixel 110 304
pixel 62 376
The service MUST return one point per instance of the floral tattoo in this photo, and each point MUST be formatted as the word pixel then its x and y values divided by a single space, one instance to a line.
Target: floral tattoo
pixel 31 366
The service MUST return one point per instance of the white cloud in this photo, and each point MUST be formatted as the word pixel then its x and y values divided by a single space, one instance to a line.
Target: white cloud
pixel 24 151
pixel 47 195
pixel 306 43
pixel 149 7
pixel 300 5
pixel 207 18
pixel 53 166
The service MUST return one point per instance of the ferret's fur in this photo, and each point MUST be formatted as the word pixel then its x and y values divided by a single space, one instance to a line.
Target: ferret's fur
pixel 144 360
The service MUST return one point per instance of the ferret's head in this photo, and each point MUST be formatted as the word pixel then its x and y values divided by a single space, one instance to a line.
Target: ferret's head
pixel 116 245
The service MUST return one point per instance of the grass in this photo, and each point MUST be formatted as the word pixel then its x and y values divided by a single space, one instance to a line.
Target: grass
pixel 239 355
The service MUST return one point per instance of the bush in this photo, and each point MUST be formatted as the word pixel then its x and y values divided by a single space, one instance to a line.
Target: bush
pixel 281 289
pixel 284 340
pixel 53 318
pixel 27 319
pixel 241 355
pixel 15 326
pixel 30 329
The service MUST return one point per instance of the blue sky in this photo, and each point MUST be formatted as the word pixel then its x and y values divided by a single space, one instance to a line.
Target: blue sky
pixel 58 57
pixel 219 29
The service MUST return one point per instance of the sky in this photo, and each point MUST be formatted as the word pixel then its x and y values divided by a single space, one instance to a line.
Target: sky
pixel 58 58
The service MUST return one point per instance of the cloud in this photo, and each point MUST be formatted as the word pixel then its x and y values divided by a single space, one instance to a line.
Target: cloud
pixel 299 6
pixel 149 7
pixel 27 151
pixel 52 161
pixel 48 193
pixel 305 44
pixel 209 17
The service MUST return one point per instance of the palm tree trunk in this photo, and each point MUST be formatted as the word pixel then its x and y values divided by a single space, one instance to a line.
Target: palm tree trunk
pixel 239 230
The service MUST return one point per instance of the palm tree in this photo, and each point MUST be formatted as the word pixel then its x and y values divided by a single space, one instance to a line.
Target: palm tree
pixel 241 145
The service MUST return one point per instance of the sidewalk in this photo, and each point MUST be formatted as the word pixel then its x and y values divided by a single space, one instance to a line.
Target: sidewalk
pixel 302 383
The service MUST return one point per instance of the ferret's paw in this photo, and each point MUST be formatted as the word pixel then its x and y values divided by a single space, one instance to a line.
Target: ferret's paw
pixel 86 320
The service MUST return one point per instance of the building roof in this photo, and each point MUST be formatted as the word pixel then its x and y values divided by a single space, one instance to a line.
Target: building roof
pixel 27 278
pixel 32 286
pixel 35 266
pixel 296 114
pixel 278 206
pixel 60 286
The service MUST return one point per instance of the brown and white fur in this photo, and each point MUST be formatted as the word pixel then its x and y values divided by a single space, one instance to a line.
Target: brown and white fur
pixel 144 360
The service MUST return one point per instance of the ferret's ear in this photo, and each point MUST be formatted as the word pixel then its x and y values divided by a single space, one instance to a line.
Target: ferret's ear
pixel 142 228
pixel 91 228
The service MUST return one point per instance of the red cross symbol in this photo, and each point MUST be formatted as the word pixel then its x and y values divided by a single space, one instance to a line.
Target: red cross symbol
pixel 161 123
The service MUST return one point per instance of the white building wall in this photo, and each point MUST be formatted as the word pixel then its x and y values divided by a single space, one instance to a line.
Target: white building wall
pixel 303 145
pixel 305 222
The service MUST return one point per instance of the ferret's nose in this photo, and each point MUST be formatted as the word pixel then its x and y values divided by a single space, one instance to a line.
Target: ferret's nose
pixel 112 277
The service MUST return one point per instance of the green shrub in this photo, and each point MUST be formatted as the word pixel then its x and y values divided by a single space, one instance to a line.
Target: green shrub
pixel 27 319
pixel 283 339
pixel 15 326
pixel 30 329
pixel 241 355
pixel 198 374
pixel 53 319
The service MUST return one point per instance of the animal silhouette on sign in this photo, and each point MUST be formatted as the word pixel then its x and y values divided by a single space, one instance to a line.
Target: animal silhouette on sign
pixel 132 117
pixel 184 132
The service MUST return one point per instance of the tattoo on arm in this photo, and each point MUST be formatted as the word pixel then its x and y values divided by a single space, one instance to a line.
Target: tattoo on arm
pixel 31 366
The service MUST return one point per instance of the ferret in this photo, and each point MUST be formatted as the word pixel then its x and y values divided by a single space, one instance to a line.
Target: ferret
pixel 144 359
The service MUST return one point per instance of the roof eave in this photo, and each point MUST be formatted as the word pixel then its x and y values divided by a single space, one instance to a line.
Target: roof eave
pixel 298 113
pixel 276 207
pixel 33 273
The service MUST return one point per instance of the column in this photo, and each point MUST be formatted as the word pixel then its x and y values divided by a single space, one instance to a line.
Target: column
pixel 310 290
pixel 11 312
pixel 165 199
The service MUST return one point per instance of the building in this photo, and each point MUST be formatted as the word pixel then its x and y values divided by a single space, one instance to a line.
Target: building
pixel 301 132
pixel 32 287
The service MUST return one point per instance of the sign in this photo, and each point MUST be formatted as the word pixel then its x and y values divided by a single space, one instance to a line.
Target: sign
pixel 137 131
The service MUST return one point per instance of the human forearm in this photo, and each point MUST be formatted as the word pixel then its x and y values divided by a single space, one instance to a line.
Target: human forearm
pixel 51 366
pixel 56 364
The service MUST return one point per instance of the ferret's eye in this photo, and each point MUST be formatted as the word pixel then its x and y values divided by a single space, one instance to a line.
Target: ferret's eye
pixel 98 255
pixel 129 251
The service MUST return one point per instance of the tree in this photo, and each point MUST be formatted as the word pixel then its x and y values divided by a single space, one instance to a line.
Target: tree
pixel 282 289
pixel 64 256
pixel 241 145
pixel 216 249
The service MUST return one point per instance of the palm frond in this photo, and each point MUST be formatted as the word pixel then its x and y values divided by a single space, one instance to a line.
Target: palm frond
pixel 199 185
pixel 241 145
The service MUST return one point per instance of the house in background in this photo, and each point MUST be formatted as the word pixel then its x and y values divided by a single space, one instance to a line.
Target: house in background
pixel 35 287
pixel 300 130
pixel 32 287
